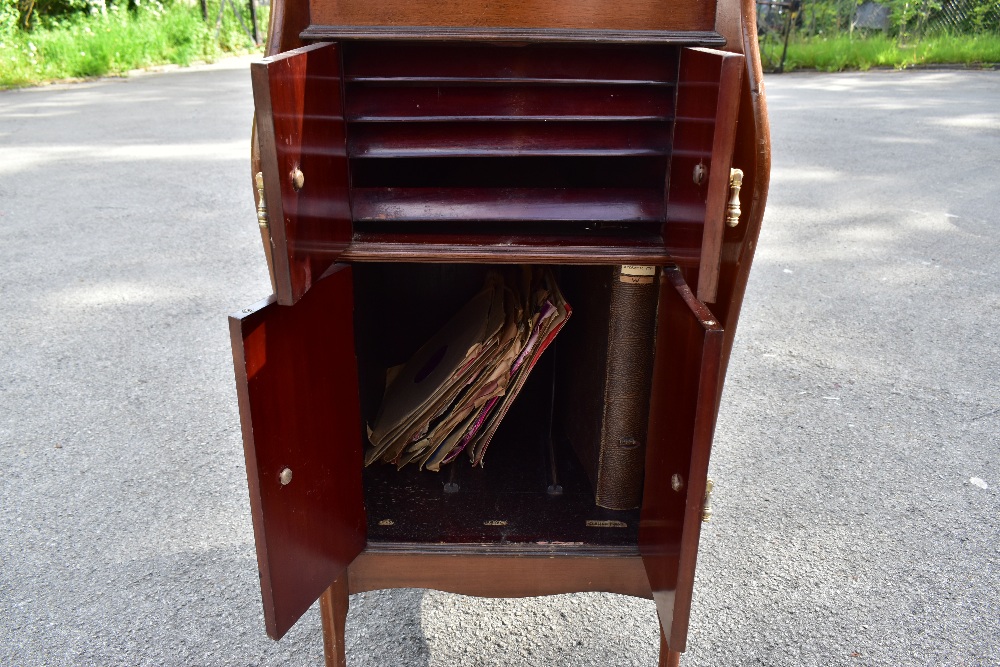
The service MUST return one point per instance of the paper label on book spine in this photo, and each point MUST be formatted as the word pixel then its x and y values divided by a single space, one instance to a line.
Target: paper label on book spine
pixel 634 274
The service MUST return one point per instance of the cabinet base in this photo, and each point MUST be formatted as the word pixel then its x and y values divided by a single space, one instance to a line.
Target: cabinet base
pixel 485 575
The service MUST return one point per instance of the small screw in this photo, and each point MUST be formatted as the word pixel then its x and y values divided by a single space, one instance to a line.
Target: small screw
pixel 285 477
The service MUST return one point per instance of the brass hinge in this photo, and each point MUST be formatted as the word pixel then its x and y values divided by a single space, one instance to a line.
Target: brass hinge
pixel 733 209
pixel 261 204
pixel 706 508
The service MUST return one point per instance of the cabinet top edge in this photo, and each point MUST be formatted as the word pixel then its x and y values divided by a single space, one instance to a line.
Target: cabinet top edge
pixel 513 35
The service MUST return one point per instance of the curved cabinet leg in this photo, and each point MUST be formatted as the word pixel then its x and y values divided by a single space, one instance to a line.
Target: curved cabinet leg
pixel 668 658
pixel 333 608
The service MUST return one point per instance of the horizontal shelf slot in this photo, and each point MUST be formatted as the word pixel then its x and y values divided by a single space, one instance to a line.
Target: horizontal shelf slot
pixel 400 103
pixel 498 81
pixel 596 231
pixel 507 249
pixel 552 63
pixel 488 118
pixel 695 121
pixel 507 204
pixel 378 140
pixel 540 171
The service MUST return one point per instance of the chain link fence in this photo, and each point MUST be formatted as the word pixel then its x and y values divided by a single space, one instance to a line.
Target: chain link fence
pixel 780 20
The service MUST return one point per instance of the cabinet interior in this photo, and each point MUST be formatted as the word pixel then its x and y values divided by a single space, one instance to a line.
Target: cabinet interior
pixel 555 139
pixel 508 500
pixel 566 147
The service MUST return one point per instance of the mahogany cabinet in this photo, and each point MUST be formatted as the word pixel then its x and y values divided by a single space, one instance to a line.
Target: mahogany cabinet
pixel 400 150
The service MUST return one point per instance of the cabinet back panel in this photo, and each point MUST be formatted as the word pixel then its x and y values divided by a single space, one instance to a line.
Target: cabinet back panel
pixel 542 62
pixel 510 172
pixel 484 101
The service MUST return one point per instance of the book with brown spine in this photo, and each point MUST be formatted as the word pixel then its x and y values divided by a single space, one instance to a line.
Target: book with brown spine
pixel 606 362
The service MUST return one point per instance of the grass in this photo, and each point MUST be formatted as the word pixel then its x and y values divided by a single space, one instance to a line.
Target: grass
pixel 118 42
pixel 834 54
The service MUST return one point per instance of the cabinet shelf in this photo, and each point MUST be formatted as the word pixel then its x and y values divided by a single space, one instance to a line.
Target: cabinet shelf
pixel 507 249
pixel 508 139
pixel 364 102
pixel 507 205
pixel 502 80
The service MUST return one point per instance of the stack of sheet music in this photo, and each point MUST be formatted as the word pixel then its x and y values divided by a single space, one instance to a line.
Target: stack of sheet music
pixel 451 396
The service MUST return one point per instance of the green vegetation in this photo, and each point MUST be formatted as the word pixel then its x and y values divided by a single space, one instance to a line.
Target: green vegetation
pixel 842 52
pixel 111 40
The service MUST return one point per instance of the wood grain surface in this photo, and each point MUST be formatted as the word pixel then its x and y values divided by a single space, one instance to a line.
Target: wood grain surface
pixel 683 404
pixel 646 15
pixel 301 127
pixel 296 379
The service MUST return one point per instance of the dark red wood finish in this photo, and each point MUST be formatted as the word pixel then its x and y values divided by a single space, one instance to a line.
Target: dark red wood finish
pixel 683 405
pixel 286 21
pixel 507 204
pixel 296 377
pixel 333 605
pixel 499 574
pixel 506 248
pixel 730 78
pixel 602 15
pixel 403 61
pixel 669 534
pixel 707 109
pixel 525 138
pixel 436 101
pixel 301 127
pixel 474 134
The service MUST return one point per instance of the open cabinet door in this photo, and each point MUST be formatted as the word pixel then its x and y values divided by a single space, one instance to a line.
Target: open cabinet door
pixel 683 404
pixel 303 156
pixel 296 377
pixel 708 104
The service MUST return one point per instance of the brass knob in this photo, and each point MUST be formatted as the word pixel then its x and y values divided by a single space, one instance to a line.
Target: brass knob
pixel 298 179
pixel 700 171
pixel 676 482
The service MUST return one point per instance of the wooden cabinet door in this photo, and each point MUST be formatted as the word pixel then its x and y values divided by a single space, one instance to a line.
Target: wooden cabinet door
pixel 708 103
pixel 303 156
pixel 296 377
pixel 683 406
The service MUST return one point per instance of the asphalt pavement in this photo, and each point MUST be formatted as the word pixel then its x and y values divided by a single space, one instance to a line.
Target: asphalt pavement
pixel 857 457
